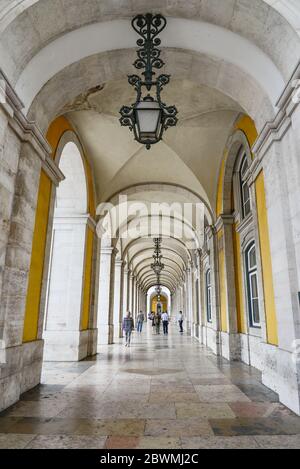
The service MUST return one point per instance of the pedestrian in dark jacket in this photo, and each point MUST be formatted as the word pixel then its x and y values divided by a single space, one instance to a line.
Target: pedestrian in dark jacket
pixel 128 326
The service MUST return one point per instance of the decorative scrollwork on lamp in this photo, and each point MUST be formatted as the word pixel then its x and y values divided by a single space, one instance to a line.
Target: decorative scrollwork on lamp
pixel 149 116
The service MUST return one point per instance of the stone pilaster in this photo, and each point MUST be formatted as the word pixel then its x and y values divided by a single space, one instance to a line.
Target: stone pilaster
pixel 23 152
pixel 230 339
pixel 118 289
pixel 106 296
pixel 64 338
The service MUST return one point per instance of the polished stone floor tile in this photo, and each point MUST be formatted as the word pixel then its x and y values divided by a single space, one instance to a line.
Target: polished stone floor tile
pixel 164 392
pixel 13 441
pixel 178 428
pixel 40 426
pixel 158 389
pixel 239 442
pixel 221 393
pixel 138 410
pixel 170 396
pixel 252 409
pixel 43 391
pixel 117 427
pixel 255 426
pixel 122 442
pixel 203 411
pixel 66 442
pixel 258 392
pixel 279 441
pixel 90 410
pixel 45 408
pixel 149 442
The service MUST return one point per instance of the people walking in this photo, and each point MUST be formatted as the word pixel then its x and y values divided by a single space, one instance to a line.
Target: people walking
pixel 140 321
pixel 152 319
pixel 165 321
pixel 180 322
pixel 128 326
pixel 157 321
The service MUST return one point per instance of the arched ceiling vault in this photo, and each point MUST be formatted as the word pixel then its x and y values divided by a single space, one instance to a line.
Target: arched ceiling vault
pixel 176 258
pixel 11 9
pixel 68 57
pixel 254 21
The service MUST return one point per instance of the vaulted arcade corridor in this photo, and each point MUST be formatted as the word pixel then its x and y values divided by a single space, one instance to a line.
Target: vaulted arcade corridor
pixel 149 165
pixel 163 392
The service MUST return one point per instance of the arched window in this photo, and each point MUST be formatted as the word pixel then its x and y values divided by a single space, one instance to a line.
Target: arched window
pixel 208 295
pixel 252 285
pixel 245 192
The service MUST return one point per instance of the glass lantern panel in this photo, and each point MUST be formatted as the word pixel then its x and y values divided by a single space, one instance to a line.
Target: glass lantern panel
pixel 148 118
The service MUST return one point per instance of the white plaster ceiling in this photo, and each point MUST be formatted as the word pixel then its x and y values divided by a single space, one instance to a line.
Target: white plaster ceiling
pixel 181 233
pixel 206 118
pixel 191 35
pixel 175 259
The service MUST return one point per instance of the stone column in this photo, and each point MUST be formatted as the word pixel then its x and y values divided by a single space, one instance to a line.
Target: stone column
pixel 189 297
pixel 131 293
pixel 135 298
pixel 118 294
pixel 230 338
pixel 198 303
pixel 20 372
pixel 126 283
pixel 212 333
pixel 23 152
pixel 106 296
pixel 281 176
pixel 64 338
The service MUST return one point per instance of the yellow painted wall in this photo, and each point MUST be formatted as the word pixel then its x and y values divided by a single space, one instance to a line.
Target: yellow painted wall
pixel 163 301
pixel 222 280
pixel 263 226
pixel 87 280
pixel 37 260
pixel 240 307
pixel 54 134
pixel 219 207
pixel 246 125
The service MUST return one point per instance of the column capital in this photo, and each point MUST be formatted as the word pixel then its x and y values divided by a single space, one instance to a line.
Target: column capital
pixel 119 262
pixel 224 220
pixel 108 251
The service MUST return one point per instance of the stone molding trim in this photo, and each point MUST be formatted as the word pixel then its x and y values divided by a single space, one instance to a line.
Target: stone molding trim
pixel 275 130
pixel 27 131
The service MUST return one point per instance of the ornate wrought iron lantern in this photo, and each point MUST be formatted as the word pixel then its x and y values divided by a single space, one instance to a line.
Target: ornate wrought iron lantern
pixel 149 116
pixel 157 266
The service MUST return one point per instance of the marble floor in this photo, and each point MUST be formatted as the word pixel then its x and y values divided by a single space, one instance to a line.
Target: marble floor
pixel 162 392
